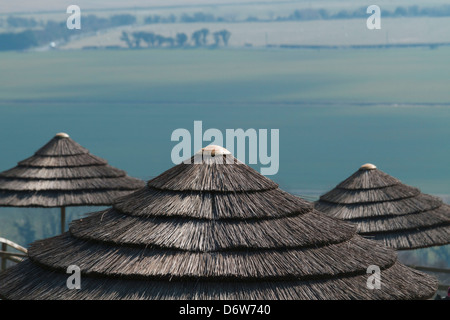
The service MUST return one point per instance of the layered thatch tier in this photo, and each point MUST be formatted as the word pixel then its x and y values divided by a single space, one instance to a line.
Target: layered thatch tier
pixel 384 209
pixel 63 173
pixel 213 230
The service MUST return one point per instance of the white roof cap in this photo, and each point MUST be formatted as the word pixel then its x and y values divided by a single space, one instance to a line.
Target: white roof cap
pixel 367 166
pixel 213 150
pixel 62 135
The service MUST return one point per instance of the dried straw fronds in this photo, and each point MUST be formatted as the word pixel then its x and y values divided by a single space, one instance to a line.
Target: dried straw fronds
pixel 386 210
pixel 63 173
pixel 212 231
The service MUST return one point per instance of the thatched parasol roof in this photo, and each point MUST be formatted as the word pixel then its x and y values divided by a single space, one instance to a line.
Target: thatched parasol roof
pixel 214 230
pixel 387 210
pixel 63 173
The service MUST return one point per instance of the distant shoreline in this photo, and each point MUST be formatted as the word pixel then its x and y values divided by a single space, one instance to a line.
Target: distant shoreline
pixel 230 103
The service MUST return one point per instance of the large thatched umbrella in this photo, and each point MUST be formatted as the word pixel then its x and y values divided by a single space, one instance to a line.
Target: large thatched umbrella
pixel 213 230
pixel 61 174
pixel 387 210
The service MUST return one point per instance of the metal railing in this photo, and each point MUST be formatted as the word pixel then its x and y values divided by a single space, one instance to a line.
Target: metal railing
pixel 11 256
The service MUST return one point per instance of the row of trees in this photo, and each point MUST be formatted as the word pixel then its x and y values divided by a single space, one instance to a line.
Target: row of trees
pixel 307 14
pixel 92 22
pixel 199 39
pixel 89 22
pixel 40 34
pixel 20 22
pixel 18 41
pixel 186 18
pixel 34 37
pixel 411 11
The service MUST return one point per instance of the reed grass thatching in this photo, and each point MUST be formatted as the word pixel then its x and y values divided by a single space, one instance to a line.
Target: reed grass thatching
pixel 214 230
pixel 387 210
pixel 62 173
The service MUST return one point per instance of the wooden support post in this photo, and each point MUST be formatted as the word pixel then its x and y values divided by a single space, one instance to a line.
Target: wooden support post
pixel 4 248
pixel 63 219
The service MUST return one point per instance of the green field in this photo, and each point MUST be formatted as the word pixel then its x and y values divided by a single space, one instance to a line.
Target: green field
pixel 342 32
pixel 393 76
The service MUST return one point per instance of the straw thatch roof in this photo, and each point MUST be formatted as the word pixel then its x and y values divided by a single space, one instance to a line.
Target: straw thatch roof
pixel 387 210
pixel 63 173
pixel 214 230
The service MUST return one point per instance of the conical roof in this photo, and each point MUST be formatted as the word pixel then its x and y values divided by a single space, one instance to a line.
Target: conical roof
pixel 387 210
pixel 213 230
pixel 63 173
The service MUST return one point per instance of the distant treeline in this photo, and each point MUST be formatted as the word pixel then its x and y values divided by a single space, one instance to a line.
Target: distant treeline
pixel 93 22
pixel 307 14
pixel 186 18
pixel 411 11
pixel 199 39
pixel 40 34
pixel 33 37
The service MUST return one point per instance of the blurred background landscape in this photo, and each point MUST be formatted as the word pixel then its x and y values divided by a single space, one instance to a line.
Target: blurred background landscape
pixel 340 94
pixel 116 24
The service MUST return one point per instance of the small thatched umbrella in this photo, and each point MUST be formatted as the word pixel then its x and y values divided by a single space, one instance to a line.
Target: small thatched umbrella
pixel 61 174
pixel 213 230
pixel 387 210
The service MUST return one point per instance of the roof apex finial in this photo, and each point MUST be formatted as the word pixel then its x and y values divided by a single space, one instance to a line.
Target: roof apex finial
pixel 214 150
pixel 61 135
pixel 367 166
